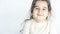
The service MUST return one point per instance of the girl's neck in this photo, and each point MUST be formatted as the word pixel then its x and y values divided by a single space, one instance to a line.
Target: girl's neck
pixel 40 21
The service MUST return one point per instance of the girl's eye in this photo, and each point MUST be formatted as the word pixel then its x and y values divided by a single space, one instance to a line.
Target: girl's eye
pixel 37 8
pixel 44 9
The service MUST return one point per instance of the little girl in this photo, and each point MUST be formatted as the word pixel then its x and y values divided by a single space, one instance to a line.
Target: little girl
pixel 39 22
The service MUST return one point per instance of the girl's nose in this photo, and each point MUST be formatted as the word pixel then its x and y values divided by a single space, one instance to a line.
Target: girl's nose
pixel 40 11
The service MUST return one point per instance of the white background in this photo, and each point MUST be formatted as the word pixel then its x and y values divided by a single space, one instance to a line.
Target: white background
pixel 13 12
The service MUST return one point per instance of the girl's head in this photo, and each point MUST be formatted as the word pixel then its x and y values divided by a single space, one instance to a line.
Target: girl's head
pixel 40 9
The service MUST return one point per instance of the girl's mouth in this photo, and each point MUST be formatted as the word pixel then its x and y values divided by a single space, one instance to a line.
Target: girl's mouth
pixel 39 15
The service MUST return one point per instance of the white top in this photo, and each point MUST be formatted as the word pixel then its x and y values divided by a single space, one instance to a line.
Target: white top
pixel 32 27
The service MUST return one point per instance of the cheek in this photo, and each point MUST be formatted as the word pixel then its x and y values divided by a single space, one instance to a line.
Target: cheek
pixel 35 12
pixel 46 13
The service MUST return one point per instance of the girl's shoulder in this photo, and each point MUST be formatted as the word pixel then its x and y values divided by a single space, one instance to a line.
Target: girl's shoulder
pixel 28 21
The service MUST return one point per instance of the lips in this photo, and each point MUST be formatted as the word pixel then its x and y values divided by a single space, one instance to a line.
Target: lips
pixel 39 15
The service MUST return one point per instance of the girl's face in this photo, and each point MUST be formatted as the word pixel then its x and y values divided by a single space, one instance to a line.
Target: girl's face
pixel 40 11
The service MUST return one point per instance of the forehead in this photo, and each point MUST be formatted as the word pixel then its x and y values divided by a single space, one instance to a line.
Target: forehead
pixel 41 4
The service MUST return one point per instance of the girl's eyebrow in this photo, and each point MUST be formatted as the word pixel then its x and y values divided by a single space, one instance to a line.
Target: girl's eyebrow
pixel 36 6
pixel 45 7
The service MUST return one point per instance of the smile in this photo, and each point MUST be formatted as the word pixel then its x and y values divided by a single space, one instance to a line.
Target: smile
pixel 39 15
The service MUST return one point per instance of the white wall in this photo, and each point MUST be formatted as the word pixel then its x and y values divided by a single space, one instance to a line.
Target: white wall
pixel 13 12
pixel 57 10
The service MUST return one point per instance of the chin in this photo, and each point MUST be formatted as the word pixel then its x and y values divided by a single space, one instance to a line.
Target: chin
pixel 39 17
